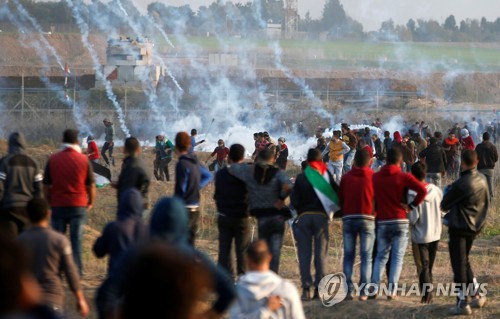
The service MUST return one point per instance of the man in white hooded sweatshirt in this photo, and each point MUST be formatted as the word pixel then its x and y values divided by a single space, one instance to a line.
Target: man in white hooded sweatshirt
pixel 262 293
pixel 426 226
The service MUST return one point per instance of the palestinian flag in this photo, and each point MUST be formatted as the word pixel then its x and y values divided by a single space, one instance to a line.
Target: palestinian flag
pixel 317 175
pixel 102 175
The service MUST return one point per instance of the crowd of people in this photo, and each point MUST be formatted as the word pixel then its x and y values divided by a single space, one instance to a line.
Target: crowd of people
pixel 382 190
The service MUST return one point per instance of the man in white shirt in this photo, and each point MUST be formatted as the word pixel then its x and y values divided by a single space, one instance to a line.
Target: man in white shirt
pixel 262 293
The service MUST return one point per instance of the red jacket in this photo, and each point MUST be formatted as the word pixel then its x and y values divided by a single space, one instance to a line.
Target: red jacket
pixel 356 193
pixel 391 188
pixel 468 143
pixel 68 173
pixel 92 151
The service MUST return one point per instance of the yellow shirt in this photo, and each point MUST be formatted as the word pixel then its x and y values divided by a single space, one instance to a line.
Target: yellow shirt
pixel 336 151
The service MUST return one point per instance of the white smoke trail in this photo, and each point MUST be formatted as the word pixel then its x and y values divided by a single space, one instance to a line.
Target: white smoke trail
pixel 162 32
pixel 40 48
pixel 84 29
pixel 26 16
pixel 147 84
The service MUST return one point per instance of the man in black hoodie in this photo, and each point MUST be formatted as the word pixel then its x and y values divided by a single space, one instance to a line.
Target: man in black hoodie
pixel 435 160
pixel 20 181
pixel 127 231
pixel 233 219
pixel 133 173
pixel 467 201
pixel 311 225
pixel 190 177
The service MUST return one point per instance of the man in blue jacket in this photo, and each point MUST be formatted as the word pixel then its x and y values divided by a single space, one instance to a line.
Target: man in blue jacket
pixel 190 177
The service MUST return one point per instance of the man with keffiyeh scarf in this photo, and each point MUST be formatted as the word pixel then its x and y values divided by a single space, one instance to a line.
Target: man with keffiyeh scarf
pixel 314 196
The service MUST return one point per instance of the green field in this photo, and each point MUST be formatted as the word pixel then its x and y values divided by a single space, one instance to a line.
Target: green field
pixel 398 56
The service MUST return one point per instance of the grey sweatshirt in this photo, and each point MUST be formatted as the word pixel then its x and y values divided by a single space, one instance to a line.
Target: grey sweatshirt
pixel 425 219
pixel 51 256
pixel 109 131
pixel 265 184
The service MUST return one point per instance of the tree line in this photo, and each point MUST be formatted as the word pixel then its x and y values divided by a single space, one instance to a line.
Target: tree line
pixel 226 18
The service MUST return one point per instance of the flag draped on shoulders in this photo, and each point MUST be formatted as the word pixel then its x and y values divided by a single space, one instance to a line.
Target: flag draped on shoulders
pixel 317 174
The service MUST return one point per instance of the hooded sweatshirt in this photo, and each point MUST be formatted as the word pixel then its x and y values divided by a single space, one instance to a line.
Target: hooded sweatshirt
pixel 109 132
pixel 190 177
pixel 133 174
pixel 265 185
pixel 169 225
pixel 20 176
pixel 126 231
pixel 425 219
pixel 391 186
pixel 356 194
pixel 253 290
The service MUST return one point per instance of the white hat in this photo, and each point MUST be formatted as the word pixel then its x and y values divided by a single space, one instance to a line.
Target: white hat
pixel 464 132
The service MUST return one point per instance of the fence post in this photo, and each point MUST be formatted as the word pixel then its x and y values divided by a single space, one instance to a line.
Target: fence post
pixel 22 100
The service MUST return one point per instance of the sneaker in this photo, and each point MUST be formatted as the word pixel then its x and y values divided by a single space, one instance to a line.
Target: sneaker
pixel 306 295
pixel 392 297
pixel 363 298
pixel 460 309
pixel 478 302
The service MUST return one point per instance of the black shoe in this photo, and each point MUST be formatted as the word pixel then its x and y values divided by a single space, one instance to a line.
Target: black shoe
pixel 306 295
pixel 316 293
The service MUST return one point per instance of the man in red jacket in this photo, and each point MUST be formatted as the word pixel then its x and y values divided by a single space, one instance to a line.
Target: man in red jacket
pixel 70 189
pixel 92 150
pixel 356 198
pixel 391 186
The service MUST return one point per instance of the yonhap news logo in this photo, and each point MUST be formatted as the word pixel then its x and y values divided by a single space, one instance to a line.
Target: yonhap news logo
pixel 332 289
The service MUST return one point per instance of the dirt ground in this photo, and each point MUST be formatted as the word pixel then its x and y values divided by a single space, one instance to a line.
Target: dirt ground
pixel 485 255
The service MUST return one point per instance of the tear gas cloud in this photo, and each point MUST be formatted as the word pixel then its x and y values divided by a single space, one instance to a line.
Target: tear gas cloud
pixel 239 108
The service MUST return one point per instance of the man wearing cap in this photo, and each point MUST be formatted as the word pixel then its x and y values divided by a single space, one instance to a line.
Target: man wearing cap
pixel 109 131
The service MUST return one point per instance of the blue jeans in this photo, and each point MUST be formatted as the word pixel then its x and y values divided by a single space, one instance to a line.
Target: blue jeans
pixel 377 164
pixel 434 178
pixel 391 239
pixel 75 217
pixel 335 168
pixel 348 158
pixel 272 230
pixel 350 230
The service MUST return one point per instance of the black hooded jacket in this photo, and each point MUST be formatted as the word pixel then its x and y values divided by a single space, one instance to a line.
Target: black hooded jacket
pixel 126 231
pixel 20 176
pixel 169 225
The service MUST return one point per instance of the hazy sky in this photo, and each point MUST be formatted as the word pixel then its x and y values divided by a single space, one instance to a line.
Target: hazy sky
pixel 372 12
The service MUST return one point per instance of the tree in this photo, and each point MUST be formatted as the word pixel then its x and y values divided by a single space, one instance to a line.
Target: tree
pixel 450 23
pixel 334 16
pixel 411 25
